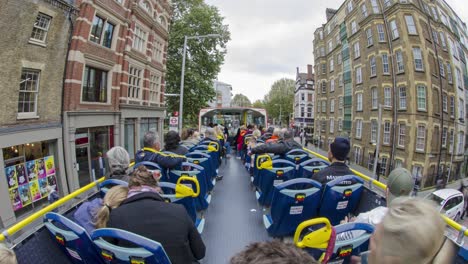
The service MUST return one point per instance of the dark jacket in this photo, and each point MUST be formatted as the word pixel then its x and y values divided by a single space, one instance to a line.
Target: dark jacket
pixel 164 160
pixel 332 172
pixel 179 150
pixel 282 147
pixel 148 215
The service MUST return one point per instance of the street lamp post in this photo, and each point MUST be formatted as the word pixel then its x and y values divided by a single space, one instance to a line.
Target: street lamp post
pixel 181 101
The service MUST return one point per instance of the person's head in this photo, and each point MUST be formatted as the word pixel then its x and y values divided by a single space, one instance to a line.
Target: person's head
pixel 171 140
pixel 118 159
pixel 210 133
pixel 113 199
pixel 141 176
pixel 288 135
pixel 7 256
pixel 399 183
pixel 276 131
pixel 219 131
pixel 250 126
pixel 270 130
pixel 196 135
pixel 412 231
pixel 151 140
pixel 256 133
pixel 272 252
pixel 339 149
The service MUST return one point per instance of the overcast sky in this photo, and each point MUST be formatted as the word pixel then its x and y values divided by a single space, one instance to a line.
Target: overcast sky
pixel 270 38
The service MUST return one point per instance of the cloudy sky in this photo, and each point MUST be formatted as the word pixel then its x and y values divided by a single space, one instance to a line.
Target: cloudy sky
pixel 270 38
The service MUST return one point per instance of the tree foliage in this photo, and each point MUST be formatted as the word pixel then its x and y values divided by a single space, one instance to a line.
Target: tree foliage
pixel 280 94
pixel 258 104
pixel 203 59
pixel 241 101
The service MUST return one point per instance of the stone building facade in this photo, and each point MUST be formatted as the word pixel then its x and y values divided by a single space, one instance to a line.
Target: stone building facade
pixel 223 95
pixel 304 100
pixel 408 58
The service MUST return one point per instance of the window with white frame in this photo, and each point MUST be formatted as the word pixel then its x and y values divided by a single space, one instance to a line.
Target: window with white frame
pixel 102 32
pixel 330 46
pixel 444 103
pixel 340 81
pixel 322 51
pixel 332 125
pixel 332 65
pixel 449 73
pixel 358 128
pixel 421 138
pixel 332 85
pixel 451 140
pixel 435 36
pixel 385 67
pixel 302 111
pixel 442 40
pixel 340 124
pixel 350 6
pixel 358 75
pixel 340 104
pixel 402 99
pixel 158 49
pixel 28 92
pixel 375 6
pixel 324 68
pixel 364 10
pixel 373 68
pixel 134 83
pixel 441 68
pixel 155 88
pixel 357 155
pixel 353 27
pixel 324 87
pixel 459 78
pixel 410 25
pixel 461 109
pixel 321 35
pixel 324 106
pixel 435 13
pixel 374 126
pixel 357 51
pixel 139 39
pixel 383 166
pixel 387 97
pixel 381 32
pixel 309 111
pixel 418 60
pixel 394 29
pixel 94 86
pixel 145 5
pixel 398 163
pixel 359 102
pixel 401 135
pixel 421 96
pixel 461 143
pixel 386 133
pixel 40 28
pixel 452 106
pixel 374 94
pixel 444 137
pixel 332 105
pixel 399 60
pixel 370 39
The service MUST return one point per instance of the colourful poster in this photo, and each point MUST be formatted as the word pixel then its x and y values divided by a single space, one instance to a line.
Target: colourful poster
pixel 34 189
pixel 15 199
pixel 50 166
pixel 25 194
pixel 21 174
pixel 41 170
pixel 32 171
pixel 10 173
pixel 43 187
pixel 52 182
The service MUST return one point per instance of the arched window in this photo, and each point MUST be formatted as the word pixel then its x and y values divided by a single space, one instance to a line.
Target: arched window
pixel 163 22
pixel 146 6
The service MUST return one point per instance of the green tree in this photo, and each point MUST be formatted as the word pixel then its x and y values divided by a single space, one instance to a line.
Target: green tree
pixel 280 100
pixel 203 59
pixel 241 101
pixel 258 104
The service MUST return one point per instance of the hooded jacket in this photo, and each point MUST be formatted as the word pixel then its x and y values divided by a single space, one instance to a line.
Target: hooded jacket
pixel 280 148
pixel 168 161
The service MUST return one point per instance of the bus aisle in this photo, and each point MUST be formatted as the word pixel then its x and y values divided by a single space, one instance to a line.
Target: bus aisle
pixel 231 222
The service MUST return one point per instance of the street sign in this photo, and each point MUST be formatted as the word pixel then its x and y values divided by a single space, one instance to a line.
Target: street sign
pixel 173 121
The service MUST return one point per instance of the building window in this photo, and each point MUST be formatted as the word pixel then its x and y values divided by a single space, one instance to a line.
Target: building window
pixel 340 124
pixel 147 124
pixel 435 36
pixel 364 10
pixel 359 102
pixel 94 85
pixel 385 67
pixel 330 46
pixel 332 105
pixel 370 40
pixel 324 106
pixel 309 111
pixel 383 166
pixel 386 133
pixel 435 13
pixel 129 140
pixel 357 51
pixel 302 96
pixel 332 65
pixel 449 73
pixel 102 32
pixel 418 60
pixel 410 25
pixel 402 101
pixel 340 81
pixel 158 50
pixel 358 128
pixel 353 27
pixel 374 131
pixel 381 32
pixel 451 138
pixel 444 103
pixel 373 68
pixel 401 135
pixel 155 84
pixel 340 104
pixel 375 6
pixel 29 89
pixel 461 109
pixel 461 143
pixel 302 111
pixel 324 68
pixel 387 3
pixel 350 6
pixel 394 29
pixel 41 27
pixel 441 68
pixel 421 138
pixel 332 125
pixel 374 98
pixel 459 78
pixel 387 97
pixel 338 58
pixel 324 87
pixel 146 6
pixel 139 40
pixel 332 85
pixel 452 106
pixel 444 137
pixel 399 60
pixel 442 40
pixel 358 75
pixel 421 97
pixel 357 155
pixel 134 83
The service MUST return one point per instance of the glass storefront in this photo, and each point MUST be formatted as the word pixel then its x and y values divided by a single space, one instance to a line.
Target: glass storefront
pixel 147 124
pixel 129 143
pixel 30 169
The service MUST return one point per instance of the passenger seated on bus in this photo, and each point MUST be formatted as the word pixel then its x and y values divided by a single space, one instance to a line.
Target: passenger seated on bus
pixel 119 161
pixel 7 256
pixel 412 231
pixel 272 252
pixel 275 136
pixel 240 140
pixel 281 147
pixel 150 152
pixel 171 143
pixel 146 213
pixel 337 153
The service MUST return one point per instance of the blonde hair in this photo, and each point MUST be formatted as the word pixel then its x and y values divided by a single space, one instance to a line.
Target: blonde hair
pixel 256 133
pixel 276 132
pixel 413 231
pixel 113 199
pixel 7 256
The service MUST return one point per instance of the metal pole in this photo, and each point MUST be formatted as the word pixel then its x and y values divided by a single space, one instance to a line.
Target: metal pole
pixel 181 101
pixel 378 141
pixel 281 117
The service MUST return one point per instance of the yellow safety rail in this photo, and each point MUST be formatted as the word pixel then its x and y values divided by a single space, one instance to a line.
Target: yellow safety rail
pixel 30 219
pixel 463 230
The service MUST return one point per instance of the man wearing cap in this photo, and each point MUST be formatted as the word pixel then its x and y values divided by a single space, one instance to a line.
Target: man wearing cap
pixel 337 154
pixel 282 147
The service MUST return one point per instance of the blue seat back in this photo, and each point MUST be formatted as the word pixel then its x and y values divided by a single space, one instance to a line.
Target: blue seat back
pixel 352 239
pixel 338 201
pixel 213 154
pixel 309 167
pixel 293 202
pixel 283 170
pixel 204 160
pixel 72 239
pixel 259 159
pixel 147 250
pixel 152 166
pixel 107 184
pixel 297 156
pixel 193 170
pixel 169 196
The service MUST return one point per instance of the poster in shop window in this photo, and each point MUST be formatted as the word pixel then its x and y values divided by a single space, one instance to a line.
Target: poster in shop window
pixel 32 171
pixel 41 170
pixel 52 182
pixel 50 166
pixel 15 199
pixel 21 174
pixel 12 180
pixel 34 189
pixel 25 195
pixel 43 187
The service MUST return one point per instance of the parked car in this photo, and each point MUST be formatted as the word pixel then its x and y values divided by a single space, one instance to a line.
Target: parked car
pixel 450 202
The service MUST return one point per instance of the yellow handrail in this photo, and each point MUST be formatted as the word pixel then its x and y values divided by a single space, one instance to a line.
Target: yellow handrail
pixel 28 220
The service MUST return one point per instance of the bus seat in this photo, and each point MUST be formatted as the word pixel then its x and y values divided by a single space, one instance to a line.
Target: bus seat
pixel 339 201
pixel 151 166
pixel 294 201
pixel 297 156
pixel 193 170
pixel 214 156
pixel 210 170
pixel 146 252
pixel 262 161
pixel 351 245
pixel 283 170
pixel 107 184
pixel 311 166
pixel 72 239
pixel 205 163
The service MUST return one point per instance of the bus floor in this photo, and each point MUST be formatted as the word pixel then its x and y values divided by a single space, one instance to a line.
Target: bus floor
pixel 234 218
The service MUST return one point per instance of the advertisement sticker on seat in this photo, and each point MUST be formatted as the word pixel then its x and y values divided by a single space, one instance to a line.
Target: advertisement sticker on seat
pixel 315 170
pixel 74 254
pixel 137 260
pixel 347 193
pixel 276 182
pixel 196 162
pixel 342 205
pixel 107 255
pixel 279 173
pixel 60 239
pixel 345 251
pixel 295 210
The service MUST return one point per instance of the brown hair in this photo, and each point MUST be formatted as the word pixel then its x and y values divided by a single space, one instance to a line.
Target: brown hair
pixel 113 199
pixel 142 176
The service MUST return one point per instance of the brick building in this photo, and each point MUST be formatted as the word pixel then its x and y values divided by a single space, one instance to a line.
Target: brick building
pixel 304 100
pixel 407 57
pixel 114 82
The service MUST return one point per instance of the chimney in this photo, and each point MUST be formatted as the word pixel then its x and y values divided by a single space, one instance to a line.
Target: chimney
pixel 309 72
pixel 297 71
